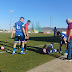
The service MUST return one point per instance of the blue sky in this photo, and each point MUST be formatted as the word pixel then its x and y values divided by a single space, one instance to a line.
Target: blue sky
pixel 37 11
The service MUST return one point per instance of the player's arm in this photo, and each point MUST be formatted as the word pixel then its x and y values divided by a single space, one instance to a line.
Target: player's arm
pixel 27 37
pixel 44 50
pixel 12 32
pixel 24 31
pixel 27 33
pixel 65 41
pixel 70 32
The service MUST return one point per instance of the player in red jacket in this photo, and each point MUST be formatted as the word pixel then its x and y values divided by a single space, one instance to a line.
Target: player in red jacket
pixel 27 35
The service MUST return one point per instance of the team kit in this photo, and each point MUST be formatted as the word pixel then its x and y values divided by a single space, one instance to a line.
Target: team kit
pixel 21 34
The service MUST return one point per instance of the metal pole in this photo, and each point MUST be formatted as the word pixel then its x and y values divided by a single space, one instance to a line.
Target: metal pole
pixel 50 21
pixel 10 18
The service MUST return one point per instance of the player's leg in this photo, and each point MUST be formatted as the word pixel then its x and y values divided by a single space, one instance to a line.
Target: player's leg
pixel 61 43
pixel 69 50
pixel 15 43
pixel 55 50
pixel 22 47
pixel 66 53
pixel 14 47
pixel 25 46
pixel 19 44
pixel 70 42
pixel 54 33
pixel 27 37
pixel 60 48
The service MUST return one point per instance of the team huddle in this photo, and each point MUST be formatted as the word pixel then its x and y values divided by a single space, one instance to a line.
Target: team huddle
pixel 21 33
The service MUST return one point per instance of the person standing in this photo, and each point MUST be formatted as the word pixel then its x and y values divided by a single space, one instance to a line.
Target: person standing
pixel 55 30
pixel 69 22
pixel 27 35
pixel 19 28
pixel 63 40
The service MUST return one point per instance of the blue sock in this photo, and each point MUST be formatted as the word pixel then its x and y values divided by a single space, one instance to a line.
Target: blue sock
pixel 13 50
pixel 66 51
pixel 22 49
pixel 60 49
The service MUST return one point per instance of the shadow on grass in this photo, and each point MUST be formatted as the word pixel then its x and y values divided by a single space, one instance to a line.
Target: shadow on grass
pixel 8 46
pixel 35 49
pixel 6 42
pixel 39 50
pixel 47 39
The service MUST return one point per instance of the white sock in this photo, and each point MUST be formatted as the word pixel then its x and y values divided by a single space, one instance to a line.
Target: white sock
pixel 13 51
pixel 21 51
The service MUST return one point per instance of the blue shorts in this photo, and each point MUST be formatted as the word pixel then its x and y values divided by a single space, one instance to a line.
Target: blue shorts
pixel 17 38
pixel 52 51
pixel 54 33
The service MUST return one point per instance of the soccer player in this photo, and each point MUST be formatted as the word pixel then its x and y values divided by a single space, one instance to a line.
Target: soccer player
pixel 55 30
pixel 63 40
pixel 19 28
pixel 27 35
pixel 49 49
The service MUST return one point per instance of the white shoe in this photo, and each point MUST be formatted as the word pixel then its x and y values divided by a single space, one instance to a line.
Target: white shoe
pixel 65 54
pixel 22 52
pixel 60 52
pixel 67 59
pixel 26 50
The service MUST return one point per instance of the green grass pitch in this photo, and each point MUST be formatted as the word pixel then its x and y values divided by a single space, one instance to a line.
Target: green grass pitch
pixel 32 58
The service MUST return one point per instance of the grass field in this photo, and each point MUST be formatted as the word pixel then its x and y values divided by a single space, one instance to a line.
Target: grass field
pixel 32 58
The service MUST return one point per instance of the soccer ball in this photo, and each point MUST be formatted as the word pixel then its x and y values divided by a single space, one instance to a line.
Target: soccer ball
pixel 2 47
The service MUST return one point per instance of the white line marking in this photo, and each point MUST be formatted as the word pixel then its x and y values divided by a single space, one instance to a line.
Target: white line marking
pixel 41 45
pixel 28 47
pixel 3 52
pixel 7 51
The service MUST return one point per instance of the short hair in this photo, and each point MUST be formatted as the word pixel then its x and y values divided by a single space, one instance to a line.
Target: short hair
pixel 52 43
pixel 58 32
pixel 68 20
pixel 21 18
pixel 28 21
pixel 55 27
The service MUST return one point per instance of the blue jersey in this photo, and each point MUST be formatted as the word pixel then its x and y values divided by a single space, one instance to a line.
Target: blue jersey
pixel 18 28
pixel 63 36
pixel 52 50
pixel 55 30
pixel 51 45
